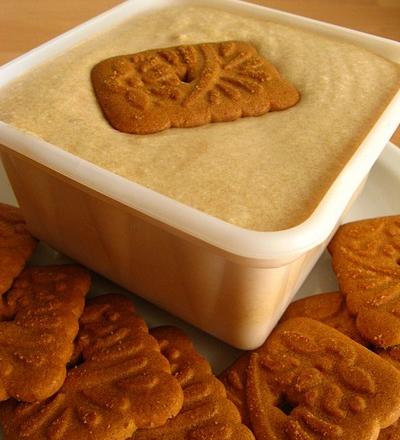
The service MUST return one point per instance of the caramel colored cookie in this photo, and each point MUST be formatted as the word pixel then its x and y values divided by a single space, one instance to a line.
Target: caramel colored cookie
pixel 366 259
pixel 391 433
pixel 391 355
pixel 187 86
pixel 308 381
pixel 16 245
pixel 121 384
pixel 329 308
pixel 40 322
pixel 206 412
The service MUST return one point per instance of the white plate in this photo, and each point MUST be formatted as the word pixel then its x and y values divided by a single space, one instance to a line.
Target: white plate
pixel 381 196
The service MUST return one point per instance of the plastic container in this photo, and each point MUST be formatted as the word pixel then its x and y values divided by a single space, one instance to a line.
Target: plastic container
pixel 231 282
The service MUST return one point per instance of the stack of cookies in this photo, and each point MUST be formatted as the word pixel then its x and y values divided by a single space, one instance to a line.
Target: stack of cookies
pixel 75 369
pixel 323 372
pixel 72 368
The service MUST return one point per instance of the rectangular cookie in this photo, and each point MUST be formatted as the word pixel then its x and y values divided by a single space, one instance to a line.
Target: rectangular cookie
pixel 16 245
pixel 308 381
pixel 120 383
pixel 38 326
pixel 206 412
pixel 366 260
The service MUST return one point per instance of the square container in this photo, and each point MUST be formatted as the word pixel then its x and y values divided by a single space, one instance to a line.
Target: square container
pixel 231 282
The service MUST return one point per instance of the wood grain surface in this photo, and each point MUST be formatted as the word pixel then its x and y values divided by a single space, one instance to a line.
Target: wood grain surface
pixel 24 24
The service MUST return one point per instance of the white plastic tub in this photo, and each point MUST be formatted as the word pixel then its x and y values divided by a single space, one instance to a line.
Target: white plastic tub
pixel 229 281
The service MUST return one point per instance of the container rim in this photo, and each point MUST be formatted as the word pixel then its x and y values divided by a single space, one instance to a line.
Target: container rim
pixel 271 246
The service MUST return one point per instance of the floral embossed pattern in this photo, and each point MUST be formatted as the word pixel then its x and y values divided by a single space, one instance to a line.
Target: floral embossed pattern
pixel 16 245
pixel 391 355
pixel 121 384
pixel 329 308
pixel 206 412
pixel 308 382
pixel 188 86
pixel 366 259
pixel 40 321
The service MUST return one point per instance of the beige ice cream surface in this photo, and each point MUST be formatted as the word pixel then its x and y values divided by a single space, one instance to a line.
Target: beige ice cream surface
pixel 264 173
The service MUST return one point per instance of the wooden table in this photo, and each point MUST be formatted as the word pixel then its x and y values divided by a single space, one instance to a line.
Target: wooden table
pixel 26 23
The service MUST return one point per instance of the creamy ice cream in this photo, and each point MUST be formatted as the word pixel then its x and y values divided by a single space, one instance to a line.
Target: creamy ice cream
pixel 264 173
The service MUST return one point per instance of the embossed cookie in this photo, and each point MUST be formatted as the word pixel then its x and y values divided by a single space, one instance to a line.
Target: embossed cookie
pixel 206 412
pixel 366 259
pixel 121 384
pixel 329 308
pixel 16 245
pixel 308 381
pixel 187 86
pixel 391 433
pixel 39 324
pixel 391 355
